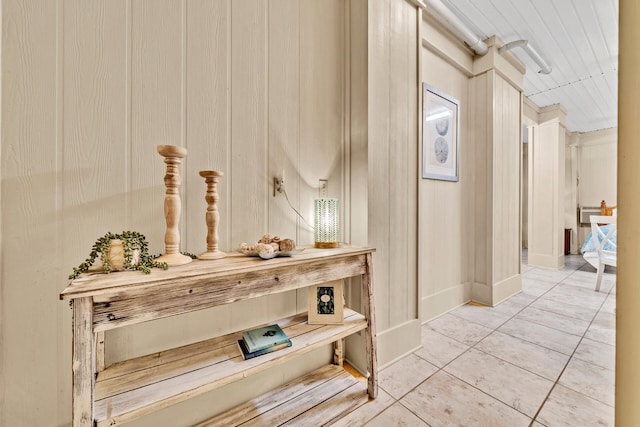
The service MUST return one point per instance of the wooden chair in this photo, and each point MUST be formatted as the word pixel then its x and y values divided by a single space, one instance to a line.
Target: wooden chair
pixel 603 243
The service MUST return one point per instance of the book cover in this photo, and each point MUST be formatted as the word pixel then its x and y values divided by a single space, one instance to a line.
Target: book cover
pixel 246 354
pixel 261 338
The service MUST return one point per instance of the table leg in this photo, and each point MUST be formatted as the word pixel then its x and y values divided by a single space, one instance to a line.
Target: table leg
pixel 368 309
pixel 83 362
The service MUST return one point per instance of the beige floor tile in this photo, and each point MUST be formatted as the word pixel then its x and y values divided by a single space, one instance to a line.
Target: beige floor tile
pixel 399 378
pixel 444 401
pixel 543 275
pixel 536 288
pixel 607 320
pixel 591 380
pixel 527 280
pixel 522 298
pixel 570 310
pixel 539 360
pixel 581 294
pixel 459 329
pixel 601 333
pixel 366 412
pixel 439 349
pixel 565 407
pixel 598 353
pixel 485 316
pixel 541 335
pixel 515 363
pixel 609 305
pixel 509 307
pixel 397 416
pixel 586 280
pixel 518 388
pixel 559 295
pixel 557 321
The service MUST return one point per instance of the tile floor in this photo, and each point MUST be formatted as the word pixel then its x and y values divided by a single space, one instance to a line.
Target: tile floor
pixel 545 357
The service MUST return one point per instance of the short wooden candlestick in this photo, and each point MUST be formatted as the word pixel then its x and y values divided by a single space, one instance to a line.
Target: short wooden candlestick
pixel 212 218
pixel 172 207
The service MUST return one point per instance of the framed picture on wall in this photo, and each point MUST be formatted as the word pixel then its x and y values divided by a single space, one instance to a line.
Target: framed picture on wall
pixel 440 135
pixel 326 303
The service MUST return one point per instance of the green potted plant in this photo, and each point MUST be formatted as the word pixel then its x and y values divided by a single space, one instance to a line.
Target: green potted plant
pixel 123 251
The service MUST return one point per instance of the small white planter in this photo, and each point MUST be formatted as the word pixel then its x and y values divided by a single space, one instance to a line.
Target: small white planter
pixel 115 255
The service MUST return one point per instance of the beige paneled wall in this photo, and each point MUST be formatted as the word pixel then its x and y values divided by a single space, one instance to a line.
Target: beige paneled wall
pixel 89 89
pixel 497 128
pixel 598 168
pixel 506 186
pixel 470 230
pixel 571 190
pixel 392 172
pixel 446 228
pixel 546 188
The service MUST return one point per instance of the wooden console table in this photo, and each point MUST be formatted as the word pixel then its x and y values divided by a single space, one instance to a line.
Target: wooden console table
pixel 112 395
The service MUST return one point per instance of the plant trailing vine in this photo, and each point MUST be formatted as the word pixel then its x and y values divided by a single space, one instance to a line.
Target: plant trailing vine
pixel 131 241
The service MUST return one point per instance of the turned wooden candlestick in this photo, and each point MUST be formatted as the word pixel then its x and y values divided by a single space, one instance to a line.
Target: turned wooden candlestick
pixel 212 218
pixel 172 155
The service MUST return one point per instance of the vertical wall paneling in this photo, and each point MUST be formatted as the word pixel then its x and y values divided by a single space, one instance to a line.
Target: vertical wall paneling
pixel 358 84
pixel 481 128
pixel 443 213
pixel 546 207
pixel 157 118
pixel 207 118
pixel 249 43
pixel 506 180
pixel 392 188
pixel 206 125
pixel 477 220
pixel 357 213
pixel 156 111
pixel 249 122
pixel 283 136
pixel 90 89
pixel 378 188
pixel 402 153
pixel 321 100
pixel 321 106
pixel 29 149
pixel 63 336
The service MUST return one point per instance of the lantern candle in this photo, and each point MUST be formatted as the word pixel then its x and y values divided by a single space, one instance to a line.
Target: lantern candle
pixel 326 226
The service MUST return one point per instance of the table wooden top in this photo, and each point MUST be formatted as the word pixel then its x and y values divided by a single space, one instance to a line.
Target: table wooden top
pixel 93 284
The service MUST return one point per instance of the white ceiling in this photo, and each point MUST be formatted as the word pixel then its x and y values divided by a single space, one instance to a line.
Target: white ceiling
pixel 577 38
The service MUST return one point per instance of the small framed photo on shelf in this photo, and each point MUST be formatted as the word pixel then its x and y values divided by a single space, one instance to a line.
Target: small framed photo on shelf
pixel 326 303
pixel 440 135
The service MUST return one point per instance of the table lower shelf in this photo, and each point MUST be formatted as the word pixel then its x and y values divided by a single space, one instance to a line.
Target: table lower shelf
pixel 136 387
pixel 317 399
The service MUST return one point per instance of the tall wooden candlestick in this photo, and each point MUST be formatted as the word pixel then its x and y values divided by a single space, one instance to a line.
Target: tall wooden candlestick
pixel 172 155
pixel 211 178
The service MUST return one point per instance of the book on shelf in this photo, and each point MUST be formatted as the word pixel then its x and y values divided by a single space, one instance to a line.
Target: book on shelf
pixel 264 337
pixel 246 354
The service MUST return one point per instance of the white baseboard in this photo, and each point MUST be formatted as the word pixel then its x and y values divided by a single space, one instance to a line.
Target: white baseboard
pixel 546 261
pixel 398 341
pixel 393 344
pixel 440 303
pixel 506 289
